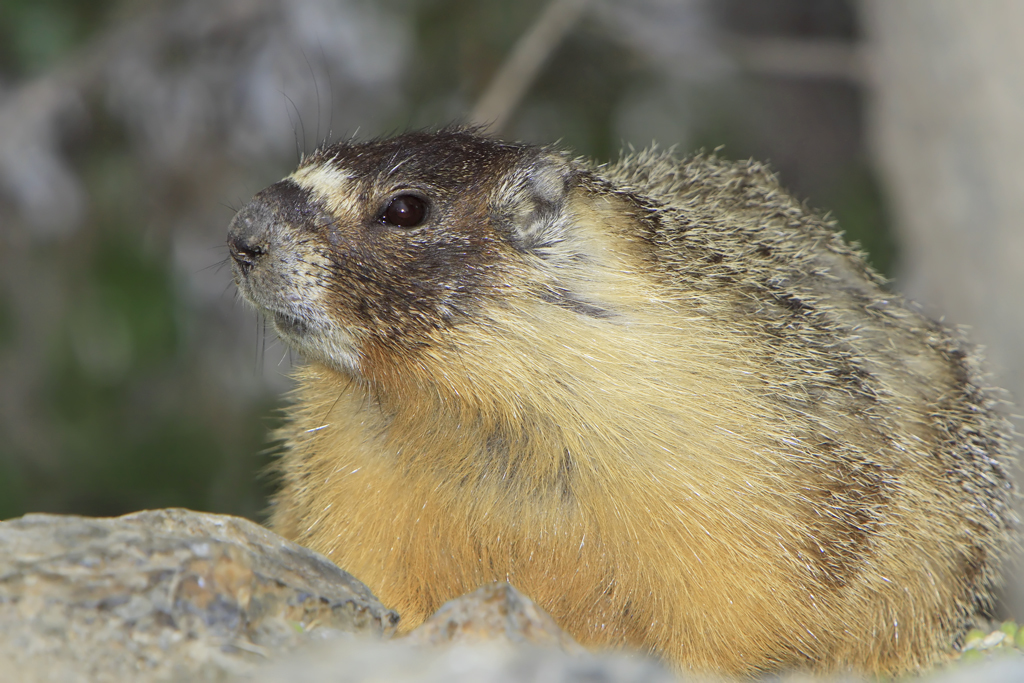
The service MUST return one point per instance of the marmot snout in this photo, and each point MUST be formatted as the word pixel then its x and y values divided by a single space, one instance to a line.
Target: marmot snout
pixel 661 397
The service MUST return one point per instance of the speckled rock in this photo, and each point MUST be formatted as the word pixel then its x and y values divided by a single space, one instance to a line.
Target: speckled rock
pixel 179 596
pixel 352 660
pixel 162 595
pixel 496 612
pixel 403 661
pixel 492 635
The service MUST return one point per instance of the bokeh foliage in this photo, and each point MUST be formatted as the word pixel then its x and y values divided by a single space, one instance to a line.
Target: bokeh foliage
pixel 37 34
pixel 133 419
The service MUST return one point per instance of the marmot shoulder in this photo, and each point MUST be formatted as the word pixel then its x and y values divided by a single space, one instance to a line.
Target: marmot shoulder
pixel 661 397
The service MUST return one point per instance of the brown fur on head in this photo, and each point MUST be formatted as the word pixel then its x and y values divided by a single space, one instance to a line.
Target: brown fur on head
pixel 662 398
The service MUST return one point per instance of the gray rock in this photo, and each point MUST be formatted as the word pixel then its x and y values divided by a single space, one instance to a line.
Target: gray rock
pixel 179 596
pixel 162 595
pixel 498 661
pixel 1005 667
pixel 493 613
pixel 494 634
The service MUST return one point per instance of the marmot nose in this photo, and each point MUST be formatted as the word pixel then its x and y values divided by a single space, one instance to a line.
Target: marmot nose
pixel 264 222
pixel 247 236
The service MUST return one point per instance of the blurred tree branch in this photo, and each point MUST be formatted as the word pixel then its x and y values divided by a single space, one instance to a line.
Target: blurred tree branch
pixel 520 69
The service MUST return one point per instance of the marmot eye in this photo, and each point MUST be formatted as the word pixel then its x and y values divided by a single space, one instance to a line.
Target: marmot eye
pixel 405 211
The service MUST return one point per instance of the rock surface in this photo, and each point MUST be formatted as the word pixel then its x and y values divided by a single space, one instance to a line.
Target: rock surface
pixel 402 661
pixel 164 594
pixel 493 635
pixel 493 613
pixel 179 596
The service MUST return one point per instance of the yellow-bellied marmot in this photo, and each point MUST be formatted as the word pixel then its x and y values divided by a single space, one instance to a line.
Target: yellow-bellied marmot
pixel 660 397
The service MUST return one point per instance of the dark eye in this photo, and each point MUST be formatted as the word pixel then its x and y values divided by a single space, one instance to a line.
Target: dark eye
pixel 405 211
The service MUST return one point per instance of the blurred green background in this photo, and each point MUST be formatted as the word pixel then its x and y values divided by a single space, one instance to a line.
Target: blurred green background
pixel 130 374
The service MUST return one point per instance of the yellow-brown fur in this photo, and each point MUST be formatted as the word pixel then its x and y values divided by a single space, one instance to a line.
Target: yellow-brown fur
pixel 661 398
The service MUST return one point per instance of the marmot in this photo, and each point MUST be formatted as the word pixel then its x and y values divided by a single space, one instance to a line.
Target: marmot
pixel 662 398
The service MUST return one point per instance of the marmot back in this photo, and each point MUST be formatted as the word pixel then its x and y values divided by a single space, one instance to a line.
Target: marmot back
pixel 662 398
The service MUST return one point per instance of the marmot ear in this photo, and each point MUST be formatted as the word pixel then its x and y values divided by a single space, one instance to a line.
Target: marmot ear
pixel 530 203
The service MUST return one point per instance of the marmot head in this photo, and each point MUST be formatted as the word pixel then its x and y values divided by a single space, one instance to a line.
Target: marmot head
pixel 383 245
